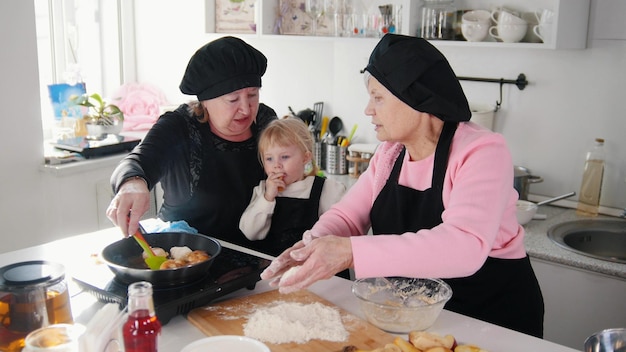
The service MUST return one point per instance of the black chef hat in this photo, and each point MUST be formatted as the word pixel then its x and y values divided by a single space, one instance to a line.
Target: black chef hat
pixel 419 75
pixel 223 66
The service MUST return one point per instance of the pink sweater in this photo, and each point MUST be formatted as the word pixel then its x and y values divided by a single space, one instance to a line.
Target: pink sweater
pixel 478 221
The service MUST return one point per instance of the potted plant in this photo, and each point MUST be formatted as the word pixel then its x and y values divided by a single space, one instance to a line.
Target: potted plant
pixel 101 118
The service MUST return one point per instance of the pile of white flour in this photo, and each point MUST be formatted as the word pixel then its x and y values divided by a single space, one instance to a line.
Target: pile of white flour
pixel 287 322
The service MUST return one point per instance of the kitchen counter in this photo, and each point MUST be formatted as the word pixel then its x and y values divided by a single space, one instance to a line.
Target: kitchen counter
pixel 179 332
pixel 540 246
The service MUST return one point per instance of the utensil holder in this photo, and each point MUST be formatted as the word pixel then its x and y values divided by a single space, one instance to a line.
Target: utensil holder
pixel 319 155
pixel 336 162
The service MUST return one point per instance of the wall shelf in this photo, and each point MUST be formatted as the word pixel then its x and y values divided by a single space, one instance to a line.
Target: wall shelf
pixel 569 30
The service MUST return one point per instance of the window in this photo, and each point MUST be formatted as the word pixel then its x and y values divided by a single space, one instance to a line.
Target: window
pixel 83 40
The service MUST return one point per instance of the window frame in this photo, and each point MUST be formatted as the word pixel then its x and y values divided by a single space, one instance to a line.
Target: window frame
pixel 101 35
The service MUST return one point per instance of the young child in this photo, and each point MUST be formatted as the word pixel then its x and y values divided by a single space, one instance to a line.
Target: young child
pixel 289 201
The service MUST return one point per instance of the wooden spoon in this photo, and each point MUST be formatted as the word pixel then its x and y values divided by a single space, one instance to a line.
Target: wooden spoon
pixel 152 260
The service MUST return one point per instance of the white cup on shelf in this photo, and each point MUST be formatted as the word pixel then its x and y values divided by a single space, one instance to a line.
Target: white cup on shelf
pixel 475 25
pixel 543 29
pixel 503 16
pixel 544 32
pixel 479 16
pixel 531 18
pixel 474 32
pixel 544 16
pixel 509 33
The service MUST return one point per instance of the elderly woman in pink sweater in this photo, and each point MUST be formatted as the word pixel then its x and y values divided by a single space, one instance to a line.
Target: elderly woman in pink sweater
pixel 438 196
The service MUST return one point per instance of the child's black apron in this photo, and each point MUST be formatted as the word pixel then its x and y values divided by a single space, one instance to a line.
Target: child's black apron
pixel 292 216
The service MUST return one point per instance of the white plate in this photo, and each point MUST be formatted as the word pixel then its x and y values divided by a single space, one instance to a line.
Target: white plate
pixel 226 343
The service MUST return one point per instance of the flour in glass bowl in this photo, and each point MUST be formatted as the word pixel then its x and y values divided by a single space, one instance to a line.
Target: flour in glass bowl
pixel 287 322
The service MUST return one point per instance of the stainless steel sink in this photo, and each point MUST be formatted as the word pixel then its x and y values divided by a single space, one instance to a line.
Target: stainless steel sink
pixel 600 239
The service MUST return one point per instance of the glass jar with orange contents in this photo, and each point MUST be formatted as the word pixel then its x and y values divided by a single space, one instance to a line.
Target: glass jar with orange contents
pixel 33 295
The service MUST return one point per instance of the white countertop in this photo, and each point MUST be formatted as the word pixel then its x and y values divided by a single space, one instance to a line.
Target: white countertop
pixel 179 332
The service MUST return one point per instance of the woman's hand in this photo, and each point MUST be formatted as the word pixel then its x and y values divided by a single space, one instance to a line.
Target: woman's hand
pixel 281 264
pixel 129 204
pixel 320 259
pixel 275 183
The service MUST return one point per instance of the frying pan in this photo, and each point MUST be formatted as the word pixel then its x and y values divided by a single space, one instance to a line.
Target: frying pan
pixel 125 261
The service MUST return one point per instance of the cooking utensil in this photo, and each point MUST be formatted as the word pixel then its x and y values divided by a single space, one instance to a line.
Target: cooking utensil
pixel 548 201
pixel 606 340
pixel 526 210
pixel 152 260
pixel 335 125
pixel 408 304
pixel 323 127
pixel 354 127
pixel 522 180
pixel 307 115
pixel 319 112
pixel 124 259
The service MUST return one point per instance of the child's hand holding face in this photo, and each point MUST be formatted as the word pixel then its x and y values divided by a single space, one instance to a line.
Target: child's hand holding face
pixel 274 184
pixel 283 166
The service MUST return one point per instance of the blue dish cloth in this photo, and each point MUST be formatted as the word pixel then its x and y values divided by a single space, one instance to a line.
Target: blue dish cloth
pixel 158 225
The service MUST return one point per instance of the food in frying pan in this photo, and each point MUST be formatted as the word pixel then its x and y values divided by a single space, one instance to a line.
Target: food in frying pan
pixel 196 257
pixel 179 257
pixel 179 252
pixel 159 252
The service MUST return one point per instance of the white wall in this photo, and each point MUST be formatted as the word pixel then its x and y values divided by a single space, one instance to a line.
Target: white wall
pixel 22 201
pixel 573 96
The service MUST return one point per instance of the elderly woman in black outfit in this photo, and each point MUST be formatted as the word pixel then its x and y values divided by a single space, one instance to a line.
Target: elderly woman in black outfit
pixel 205 152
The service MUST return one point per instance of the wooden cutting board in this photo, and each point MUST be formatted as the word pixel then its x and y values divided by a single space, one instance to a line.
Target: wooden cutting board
pixel 229 317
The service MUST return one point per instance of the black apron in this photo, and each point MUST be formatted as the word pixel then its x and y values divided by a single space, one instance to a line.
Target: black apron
pixel 504 292
pixel 292 216
pixel 224 190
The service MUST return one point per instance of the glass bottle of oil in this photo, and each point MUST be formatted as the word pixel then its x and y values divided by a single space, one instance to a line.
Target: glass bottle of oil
pixel 591 186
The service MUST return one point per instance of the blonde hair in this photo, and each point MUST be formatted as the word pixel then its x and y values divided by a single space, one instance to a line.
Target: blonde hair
pixel 287 132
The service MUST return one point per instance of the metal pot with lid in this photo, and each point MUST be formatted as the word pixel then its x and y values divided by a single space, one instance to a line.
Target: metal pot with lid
pixel 522 180
pixel 33 295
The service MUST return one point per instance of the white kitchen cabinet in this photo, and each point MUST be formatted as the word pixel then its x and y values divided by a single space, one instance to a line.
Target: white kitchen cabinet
pixel 569 32
pixel 104 195
pixel 78 195
pixel 578 302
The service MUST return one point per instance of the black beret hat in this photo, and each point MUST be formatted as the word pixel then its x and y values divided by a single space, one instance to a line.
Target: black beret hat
pixel 419 75
pixel 223 66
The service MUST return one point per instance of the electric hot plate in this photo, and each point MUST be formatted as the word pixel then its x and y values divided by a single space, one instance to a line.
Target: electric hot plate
pixel 231 271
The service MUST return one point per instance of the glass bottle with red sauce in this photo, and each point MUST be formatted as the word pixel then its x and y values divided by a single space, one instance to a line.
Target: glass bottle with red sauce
pixel 142 329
